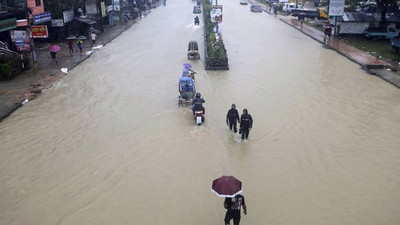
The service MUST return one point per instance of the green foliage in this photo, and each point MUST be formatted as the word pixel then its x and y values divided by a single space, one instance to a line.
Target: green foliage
pixel 210 34
pixel 378 48
pixel 56 7
pixel 5 70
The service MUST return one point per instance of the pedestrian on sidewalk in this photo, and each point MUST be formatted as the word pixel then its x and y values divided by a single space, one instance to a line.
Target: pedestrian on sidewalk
pixel 93 37
pixel 71 47
pixel 301 22
pixel 54 56
pixel 246 123
pixel 34 58
pixel 328 33
pixel 80 46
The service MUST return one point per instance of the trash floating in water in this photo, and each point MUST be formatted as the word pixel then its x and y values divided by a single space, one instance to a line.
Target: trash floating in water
pixel 25 101
pixel 64 70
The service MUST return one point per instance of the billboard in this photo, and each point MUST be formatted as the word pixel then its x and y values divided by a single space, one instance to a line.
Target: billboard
pixel 68 15
pixel 336 8
pixel 42 18
pixel 216 14
pixel 39 31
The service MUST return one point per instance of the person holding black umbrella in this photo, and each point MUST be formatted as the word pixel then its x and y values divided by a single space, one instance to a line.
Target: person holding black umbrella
pixel 233 206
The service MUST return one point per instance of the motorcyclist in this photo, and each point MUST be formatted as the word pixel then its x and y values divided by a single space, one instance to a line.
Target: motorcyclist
pixel 197 104
pixel 196 20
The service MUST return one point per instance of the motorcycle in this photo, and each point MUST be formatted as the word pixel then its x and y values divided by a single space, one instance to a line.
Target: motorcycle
pixel 196 21
pixel 199 117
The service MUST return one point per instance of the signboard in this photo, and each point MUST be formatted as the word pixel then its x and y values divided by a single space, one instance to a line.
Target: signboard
pixel 57 23
pixel 216 14
pixel 22 23
pixel 103 9
pixel 8 24
pixel 39 31
pixel 25 47
pixel 42 18
pixel 18 35
pixel 19 43
pixel 68 15
pixel 116 5
pixel 336 8
pixel 109 8
pixel 216 46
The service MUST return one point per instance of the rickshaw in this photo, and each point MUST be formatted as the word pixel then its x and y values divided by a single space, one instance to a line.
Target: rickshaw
pixel 193 50
pixel 187 90
pixel 196 9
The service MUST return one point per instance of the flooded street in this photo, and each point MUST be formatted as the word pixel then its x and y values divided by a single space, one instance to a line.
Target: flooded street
pixel 108 143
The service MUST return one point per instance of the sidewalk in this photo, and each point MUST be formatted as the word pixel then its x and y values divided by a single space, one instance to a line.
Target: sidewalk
pixel 28 85
pixel 369 62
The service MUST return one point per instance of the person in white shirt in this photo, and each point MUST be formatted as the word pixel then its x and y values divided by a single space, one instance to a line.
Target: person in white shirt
pixel 93 37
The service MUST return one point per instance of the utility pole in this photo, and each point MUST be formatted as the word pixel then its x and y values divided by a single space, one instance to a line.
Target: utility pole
pixel 28 29
pixel 101 16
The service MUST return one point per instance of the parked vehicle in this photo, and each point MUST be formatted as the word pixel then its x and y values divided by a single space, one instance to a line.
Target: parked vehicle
pixel 196 9
pixel 320 3
pixel 193 50
pixel 243 2
pixel 255 8
pixel 395 43
pixel 319 13
pixel 388 32
pixel 288 7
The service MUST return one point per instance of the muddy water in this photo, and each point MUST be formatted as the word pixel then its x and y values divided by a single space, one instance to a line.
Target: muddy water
pixel 109 145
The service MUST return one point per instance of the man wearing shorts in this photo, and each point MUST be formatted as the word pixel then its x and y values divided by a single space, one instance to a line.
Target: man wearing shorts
pixel 233 206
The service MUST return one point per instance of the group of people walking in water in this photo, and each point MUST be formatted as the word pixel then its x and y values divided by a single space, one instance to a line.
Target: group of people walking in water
pixel 245 120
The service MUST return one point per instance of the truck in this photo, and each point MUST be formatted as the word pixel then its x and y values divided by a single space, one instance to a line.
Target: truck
pixel 388 32
pixel 301 14
pixel 395 43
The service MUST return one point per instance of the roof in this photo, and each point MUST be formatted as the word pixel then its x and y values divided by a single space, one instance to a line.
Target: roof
pixel 357 17
pixel 85 20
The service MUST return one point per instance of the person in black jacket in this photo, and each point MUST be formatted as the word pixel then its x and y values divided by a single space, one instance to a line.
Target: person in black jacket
pixel 246 123
pixel 197 104
pixel 232 118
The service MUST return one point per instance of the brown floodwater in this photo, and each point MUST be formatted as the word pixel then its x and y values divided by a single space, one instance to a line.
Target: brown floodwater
pixel 108 143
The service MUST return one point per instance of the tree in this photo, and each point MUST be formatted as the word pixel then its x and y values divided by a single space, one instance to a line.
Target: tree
pixel 56 7
pixel 385 6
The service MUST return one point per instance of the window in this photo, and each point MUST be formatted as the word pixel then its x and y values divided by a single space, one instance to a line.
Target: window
pixel 38 2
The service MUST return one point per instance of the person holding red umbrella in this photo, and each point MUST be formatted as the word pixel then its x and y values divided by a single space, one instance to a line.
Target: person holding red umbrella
pixel 233 206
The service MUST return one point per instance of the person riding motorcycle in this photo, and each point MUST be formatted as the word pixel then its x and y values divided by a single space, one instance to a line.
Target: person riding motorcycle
pixel 196 20
pixel 197 104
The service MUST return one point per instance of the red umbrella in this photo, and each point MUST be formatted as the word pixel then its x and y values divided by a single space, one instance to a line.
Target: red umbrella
pixel 227 186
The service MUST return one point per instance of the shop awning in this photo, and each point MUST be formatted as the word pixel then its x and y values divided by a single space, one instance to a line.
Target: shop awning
pixel 86 20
